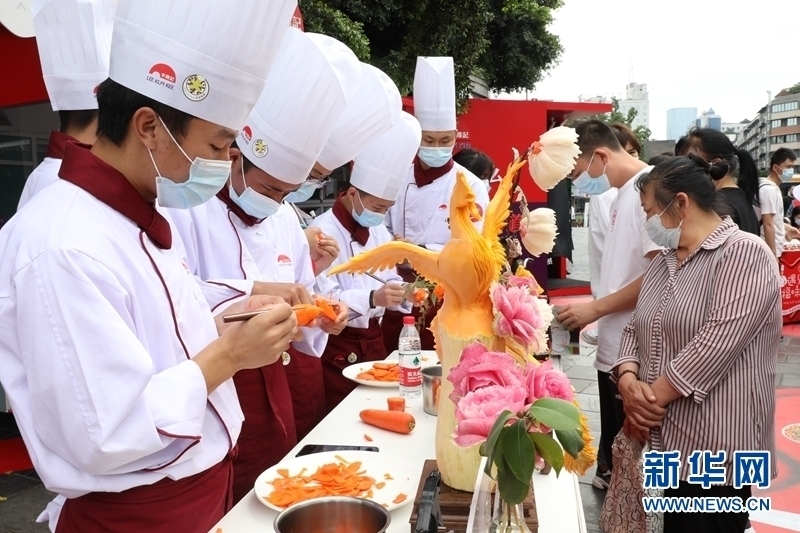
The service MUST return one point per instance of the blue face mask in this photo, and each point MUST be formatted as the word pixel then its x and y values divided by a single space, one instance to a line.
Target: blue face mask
pixel 592 186
pixel 367 218
pixel 206 178
pixel 666 237
pixel 435 157
pixel 254 204
pixel 302 194
pixel 787 174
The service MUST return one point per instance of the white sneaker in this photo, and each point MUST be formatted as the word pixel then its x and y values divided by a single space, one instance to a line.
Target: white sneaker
pixel 748 528
pixel 589 336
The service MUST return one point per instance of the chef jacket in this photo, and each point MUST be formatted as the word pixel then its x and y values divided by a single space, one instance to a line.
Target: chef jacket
pixel 421 213
pixel 47 171
pixel 98 325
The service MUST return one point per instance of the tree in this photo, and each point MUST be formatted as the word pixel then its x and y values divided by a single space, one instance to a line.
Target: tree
pixel 504 41
pixel 642 133
pixel 794 89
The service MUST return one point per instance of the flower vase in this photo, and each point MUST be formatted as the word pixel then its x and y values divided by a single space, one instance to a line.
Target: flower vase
pixel 507 518
pixel 458 466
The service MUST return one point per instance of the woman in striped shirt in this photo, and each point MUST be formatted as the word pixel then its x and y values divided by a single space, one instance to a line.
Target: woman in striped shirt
pixel 697 361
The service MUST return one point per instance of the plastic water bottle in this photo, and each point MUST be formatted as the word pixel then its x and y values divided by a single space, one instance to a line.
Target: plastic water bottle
pixel 409 348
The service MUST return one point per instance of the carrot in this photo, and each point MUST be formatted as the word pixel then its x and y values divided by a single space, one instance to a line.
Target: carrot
pixel 367 438
pixel 380 485
pixel 326 308
pixel 385 372
pixel 334 479
pixel 397 421
pixel 400 498
pixel 306 313
pixel 396 404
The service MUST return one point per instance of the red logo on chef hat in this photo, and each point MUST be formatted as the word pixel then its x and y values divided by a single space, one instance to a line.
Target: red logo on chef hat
pixel 443 207
pixel 284 260
pixel 162 74
pixel 247 134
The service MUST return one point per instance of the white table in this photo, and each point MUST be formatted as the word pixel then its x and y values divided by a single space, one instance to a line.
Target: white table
pixel 558 500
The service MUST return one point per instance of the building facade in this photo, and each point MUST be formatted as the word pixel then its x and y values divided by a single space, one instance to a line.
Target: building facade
pixel 709 119
pixel 775 126
pixel 679 121
pixel 636 97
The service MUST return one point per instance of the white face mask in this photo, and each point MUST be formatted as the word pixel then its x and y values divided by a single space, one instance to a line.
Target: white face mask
pixel 254 204
pixel 665 237
pixel 206 179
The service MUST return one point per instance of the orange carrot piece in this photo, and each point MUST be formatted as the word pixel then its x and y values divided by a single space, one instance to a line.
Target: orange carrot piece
pixel 326 308
pixel 367 438
pixel 380 485
pixel 400 498
pixel 397 421
pixel 396 403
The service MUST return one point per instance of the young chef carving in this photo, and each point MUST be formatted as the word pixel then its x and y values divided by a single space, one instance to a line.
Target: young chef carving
pixel 74 41
pixel 245 241
pixel 356 220
pixel 421 213
pixel 118 375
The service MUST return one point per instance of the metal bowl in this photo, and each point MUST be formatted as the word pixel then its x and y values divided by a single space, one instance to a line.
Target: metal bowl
pixel 333 515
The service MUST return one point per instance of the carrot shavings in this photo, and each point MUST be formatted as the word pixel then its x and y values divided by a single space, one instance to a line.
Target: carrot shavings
pixel 334 479
pixel 380 485
pixel 387 476
pixel 367 438
pixel 385 372
pixel 400 498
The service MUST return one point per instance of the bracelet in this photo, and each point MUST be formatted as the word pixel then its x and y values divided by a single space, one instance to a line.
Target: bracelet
pixel 372 299
pixel 628 371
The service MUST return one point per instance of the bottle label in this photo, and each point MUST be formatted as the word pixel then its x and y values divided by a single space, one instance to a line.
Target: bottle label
pixel 410 375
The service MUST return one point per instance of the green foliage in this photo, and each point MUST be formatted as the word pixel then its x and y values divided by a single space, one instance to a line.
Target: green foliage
pixel 555 413
pixel 794 89
pixel 571 440
pixel 642 133
pixel 504 41
pixel 549 449
pixel 518 450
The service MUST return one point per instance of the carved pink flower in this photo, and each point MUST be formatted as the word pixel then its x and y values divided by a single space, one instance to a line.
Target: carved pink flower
pixel 517 314
pixel 477 411
pixel 544 381
pixel 478 368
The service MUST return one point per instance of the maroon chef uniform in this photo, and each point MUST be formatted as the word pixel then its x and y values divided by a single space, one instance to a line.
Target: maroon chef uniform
pixel 352 345
pixel 392 323
pixel 269 431
pixel 198 501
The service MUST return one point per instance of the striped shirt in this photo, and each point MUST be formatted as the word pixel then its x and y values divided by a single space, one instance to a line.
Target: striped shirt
pixel 717 347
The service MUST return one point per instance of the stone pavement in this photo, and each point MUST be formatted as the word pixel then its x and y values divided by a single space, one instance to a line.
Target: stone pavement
pixel 22 495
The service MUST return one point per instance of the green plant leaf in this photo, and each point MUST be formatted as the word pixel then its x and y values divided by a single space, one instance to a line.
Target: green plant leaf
pixel 549 449
pixel 571 440
pixel 494 434
pixel 512 490
pixel 497 452
pixel 518 451
pixel 555 413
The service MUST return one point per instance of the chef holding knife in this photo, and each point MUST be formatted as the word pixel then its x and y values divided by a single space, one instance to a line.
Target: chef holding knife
pixel 356 221
pixel 117 373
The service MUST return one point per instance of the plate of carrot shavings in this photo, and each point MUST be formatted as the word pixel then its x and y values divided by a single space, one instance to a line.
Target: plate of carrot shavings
pixel 384 479
pixel 384 374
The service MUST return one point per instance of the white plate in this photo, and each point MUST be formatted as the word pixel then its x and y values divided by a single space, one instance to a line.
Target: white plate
pixel 351 372
pixel 375 464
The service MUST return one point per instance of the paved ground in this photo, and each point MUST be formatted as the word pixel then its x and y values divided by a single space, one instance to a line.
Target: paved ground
pixel 22 496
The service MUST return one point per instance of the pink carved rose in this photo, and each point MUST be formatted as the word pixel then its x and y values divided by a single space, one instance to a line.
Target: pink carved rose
pixel 477 411
pixel 517 314
pixel 544 381
pixel 478 367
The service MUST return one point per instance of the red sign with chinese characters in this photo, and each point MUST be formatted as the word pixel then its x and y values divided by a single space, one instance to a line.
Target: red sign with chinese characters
pixel 790 286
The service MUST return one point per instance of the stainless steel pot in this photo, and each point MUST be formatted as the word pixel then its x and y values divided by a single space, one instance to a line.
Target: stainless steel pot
pixel 333 515
pixel 431 381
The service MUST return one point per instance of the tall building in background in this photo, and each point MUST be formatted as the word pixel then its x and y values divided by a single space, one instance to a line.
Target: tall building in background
pixel 636 97
pixel 679 121
pixel 709 119
pixel 776 125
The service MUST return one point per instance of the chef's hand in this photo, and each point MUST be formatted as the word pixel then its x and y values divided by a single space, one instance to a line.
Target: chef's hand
pixel 577 316
pixel 326 254
pixel 292 293
pixel 389 295
pixel 639 403
pixel 400 238
pixel 334 327
pixel 244 306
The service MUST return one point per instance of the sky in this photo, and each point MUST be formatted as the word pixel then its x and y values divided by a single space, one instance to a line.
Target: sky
pixel 690 53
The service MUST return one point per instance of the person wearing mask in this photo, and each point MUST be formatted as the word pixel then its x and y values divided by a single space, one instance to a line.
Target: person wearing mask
pixel 74 41
pixel 627 252
pixel 356 221
pixel 697 360
pixel 599 215
pixel 781 170
pixel 123 394
pixel 478 163
pixel 421 213
pixel 245 241
pixel 733 170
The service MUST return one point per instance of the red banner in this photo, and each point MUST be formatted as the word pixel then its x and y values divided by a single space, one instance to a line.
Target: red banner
pixel 297 19
pixel 790 286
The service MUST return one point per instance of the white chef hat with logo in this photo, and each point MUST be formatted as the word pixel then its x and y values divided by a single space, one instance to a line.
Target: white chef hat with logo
pixel 435 93
pixel 314 79
pixel 374 109
pixel 381 167
pixel 208 59
pixel 74 41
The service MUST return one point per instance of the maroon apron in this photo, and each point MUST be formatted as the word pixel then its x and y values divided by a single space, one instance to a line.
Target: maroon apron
pixel 366 344
pixel 268 432
pixel 307 391
pixel 190 505
pixel 392 323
